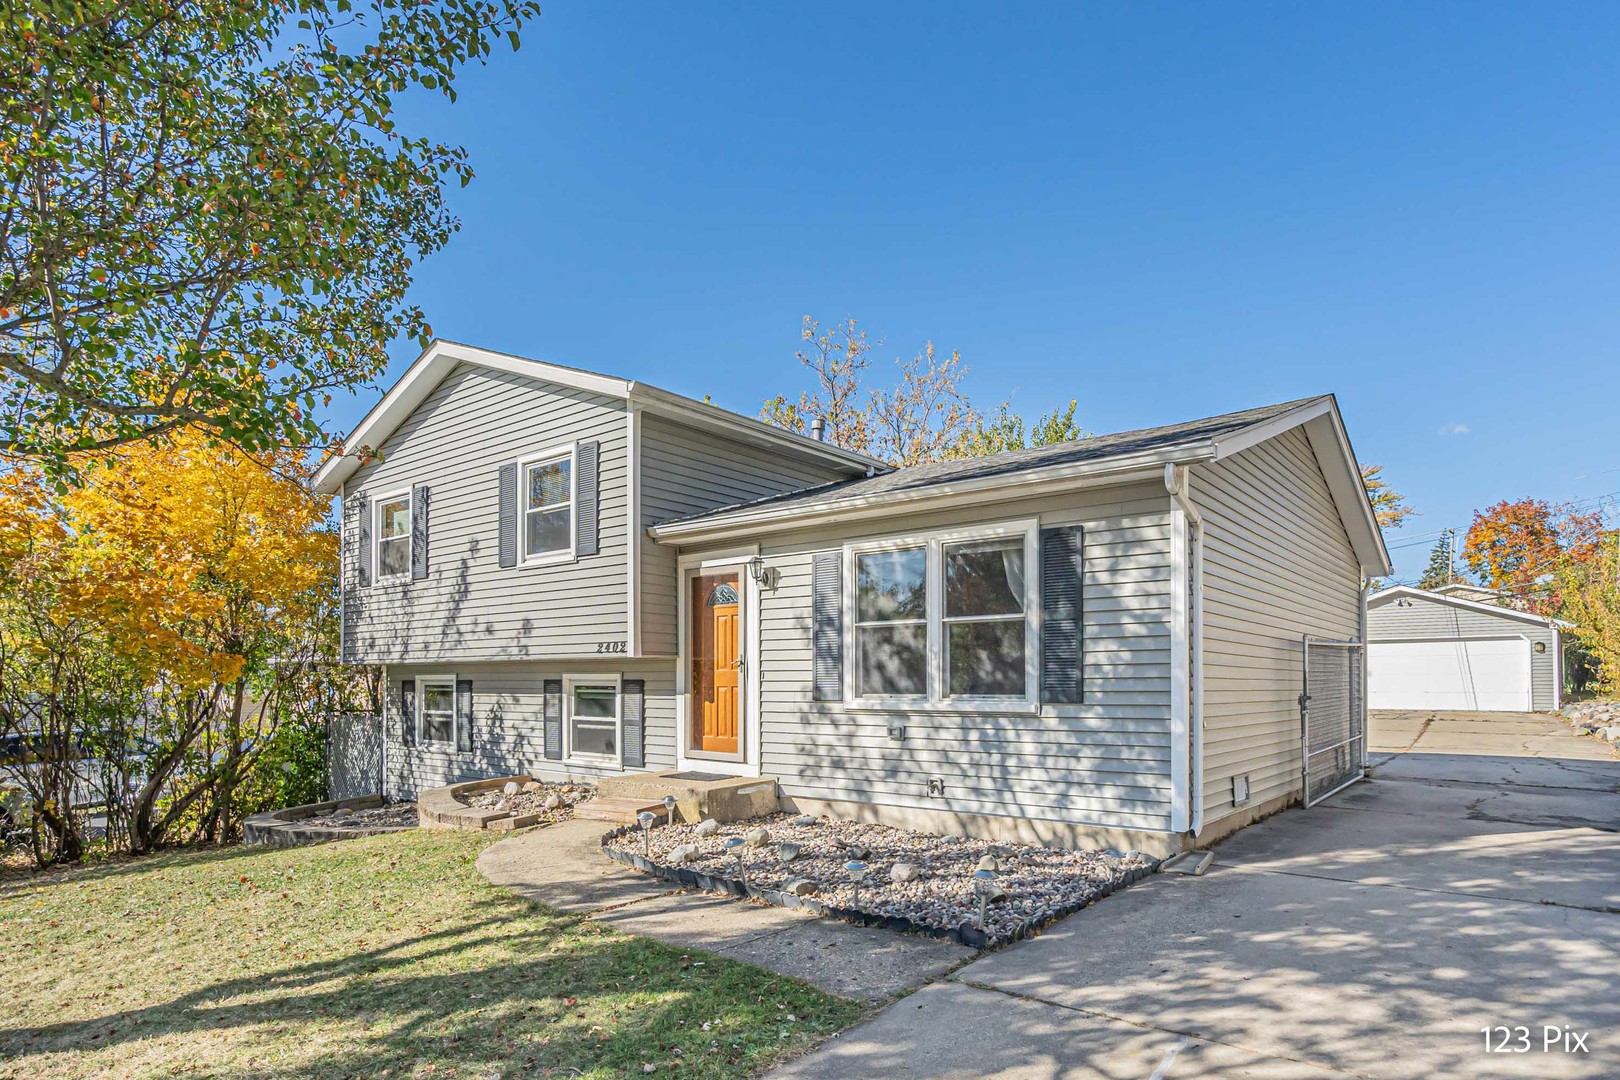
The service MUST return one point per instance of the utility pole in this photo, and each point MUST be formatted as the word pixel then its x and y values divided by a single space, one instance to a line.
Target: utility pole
pixel 1451 555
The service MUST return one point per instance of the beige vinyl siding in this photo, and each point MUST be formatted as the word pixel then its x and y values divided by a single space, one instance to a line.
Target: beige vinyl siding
pixel 1432 620
pixel 471 608
pixel 686 470
pixel 508 724
pixel 1105 762
pixel 1277 566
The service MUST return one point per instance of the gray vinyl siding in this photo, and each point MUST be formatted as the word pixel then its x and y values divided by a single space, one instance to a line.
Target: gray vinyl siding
pixel 1105 762
pixel 469 607
pixel 1432 620
pixel 508 738
pixel 686 470
pixel 1277 566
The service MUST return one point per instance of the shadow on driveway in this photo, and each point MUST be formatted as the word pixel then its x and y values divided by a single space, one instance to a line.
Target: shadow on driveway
pixel 1471 883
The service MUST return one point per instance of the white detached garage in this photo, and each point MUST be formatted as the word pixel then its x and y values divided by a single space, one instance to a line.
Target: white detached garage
pixel 1429 651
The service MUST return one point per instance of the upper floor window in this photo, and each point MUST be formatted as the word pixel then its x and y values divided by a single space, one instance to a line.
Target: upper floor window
pixel 548 506
pixel 393 536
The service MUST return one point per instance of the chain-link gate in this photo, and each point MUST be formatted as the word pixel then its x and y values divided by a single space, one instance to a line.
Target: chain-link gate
pixel 1333 717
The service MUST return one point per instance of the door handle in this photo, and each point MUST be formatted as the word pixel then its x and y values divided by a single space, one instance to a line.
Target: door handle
pixel 737 664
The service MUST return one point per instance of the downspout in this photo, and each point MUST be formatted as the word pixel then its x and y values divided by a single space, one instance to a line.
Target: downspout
pixel 1176 483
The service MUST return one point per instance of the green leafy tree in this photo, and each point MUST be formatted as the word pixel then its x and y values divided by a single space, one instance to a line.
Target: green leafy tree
pixel 1006 430
pixel 207 215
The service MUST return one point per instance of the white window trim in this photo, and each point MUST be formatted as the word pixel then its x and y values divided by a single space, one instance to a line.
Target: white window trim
pixel 422 683
pixel 616 760
pixel 409 497
pixel 934 542
pixel 561 555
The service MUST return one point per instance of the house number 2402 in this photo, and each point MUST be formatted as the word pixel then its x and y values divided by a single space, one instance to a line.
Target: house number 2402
pixel 611 647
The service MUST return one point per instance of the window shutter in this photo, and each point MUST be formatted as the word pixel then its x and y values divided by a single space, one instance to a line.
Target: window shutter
pixel 633 709
pixel 827 609
pixel 419 533
pixel 509 515
pixel 553 718
pixel 1062 578
pixel 464 716
pixel 363 531
pixel 585 455
pixel 407 711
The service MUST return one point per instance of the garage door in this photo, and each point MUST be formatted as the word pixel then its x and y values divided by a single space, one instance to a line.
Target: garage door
pixel 1484 674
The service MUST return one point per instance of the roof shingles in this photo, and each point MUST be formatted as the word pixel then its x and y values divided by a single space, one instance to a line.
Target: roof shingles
pixel 1091 448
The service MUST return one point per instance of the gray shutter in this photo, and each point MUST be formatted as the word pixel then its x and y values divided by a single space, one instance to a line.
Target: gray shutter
pixel 509 515
pixel 419 533
pixel 1062 578
pixel 553 718
pixel 827 610
pixel 407 711
pixel 464 716
pixel 633 710
pixel 585 455
pixel 363 530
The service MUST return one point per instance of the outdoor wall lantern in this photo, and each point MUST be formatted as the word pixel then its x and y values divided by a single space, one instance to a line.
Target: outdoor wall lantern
pixel 757 571
pixel 1541 646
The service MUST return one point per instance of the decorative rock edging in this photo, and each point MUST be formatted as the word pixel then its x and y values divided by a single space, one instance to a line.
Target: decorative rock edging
pixel 442 808
pixel 1599 719
pixel 961 935
pixel 286 828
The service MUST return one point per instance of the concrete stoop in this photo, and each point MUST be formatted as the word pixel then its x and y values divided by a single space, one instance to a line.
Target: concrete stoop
pixel 697 794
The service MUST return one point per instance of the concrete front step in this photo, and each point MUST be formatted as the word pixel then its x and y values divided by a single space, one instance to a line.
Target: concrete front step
pixel 697 794
pixel 619 811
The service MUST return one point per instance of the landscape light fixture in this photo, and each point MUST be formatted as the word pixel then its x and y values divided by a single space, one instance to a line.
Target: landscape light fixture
pixel 736 844
pixel 669 809
pixel 984 883
pixel 645 819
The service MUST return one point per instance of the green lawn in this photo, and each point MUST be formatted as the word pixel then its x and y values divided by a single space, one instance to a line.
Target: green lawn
pixel 383 957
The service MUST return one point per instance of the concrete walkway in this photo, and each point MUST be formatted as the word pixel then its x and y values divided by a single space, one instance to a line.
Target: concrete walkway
pixel 1474 882
pixel 563 867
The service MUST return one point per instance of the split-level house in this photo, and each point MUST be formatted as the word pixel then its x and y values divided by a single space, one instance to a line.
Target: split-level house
pixel 567 574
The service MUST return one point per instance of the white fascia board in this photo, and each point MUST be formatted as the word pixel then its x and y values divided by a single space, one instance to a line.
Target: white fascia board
pixel 1324 427
pixel 976 492
pixel 745 429
pixel 1378 599
pixel 423 377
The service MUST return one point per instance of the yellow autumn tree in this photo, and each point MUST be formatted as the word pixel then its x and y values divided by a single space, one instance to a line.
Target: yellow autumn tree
pixel 205 577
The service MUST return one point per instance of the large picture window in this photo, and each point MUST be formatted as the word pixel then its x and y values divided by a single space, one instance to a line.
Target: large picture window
pixel 593 718
pixel 984 618
pixel 393 533
pixel 891 623
pixel 944 620
pixel 548 506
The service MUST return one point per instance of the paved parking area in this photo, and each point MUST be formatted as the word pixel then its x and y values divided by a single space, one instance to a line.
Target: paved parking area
pixel 1473 882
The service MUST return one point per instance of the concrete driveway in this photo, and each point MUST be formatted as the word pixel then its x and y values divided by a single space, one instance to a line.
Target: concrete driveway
pixel 1473 882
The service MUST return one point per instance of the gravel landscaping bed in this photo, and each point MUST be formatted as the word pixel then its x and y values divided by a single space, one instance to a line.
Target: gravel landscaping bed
pixel 394 815
pixel 912 881
pixel 552 802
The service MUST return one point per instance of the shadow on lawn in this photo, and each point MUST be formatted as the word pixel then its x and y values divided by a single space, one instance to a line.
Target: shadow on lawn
pixel 540 989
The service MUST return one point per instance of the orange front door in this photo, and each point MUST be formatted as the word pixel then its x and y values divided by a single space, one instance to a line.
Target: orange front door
pixel 716 662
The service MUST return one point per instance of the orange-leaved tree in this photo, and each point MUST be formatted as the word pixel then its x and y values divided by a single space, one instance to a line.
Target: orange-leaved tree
pixel 1520 546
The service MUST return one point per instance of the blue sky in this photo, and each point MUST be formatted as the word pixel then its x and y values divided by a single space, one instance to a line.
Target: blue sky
pixel 1164 211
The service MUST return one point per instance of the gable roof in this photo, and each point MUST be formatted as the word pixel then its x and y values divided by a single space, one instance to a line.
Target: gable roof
pixel 1126 455
pixel 1395 592
pixel 442 357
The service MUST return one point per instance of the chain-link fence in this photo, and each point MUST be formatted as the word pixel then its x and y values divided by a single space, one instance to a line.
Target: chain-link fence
pixel 1333 711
